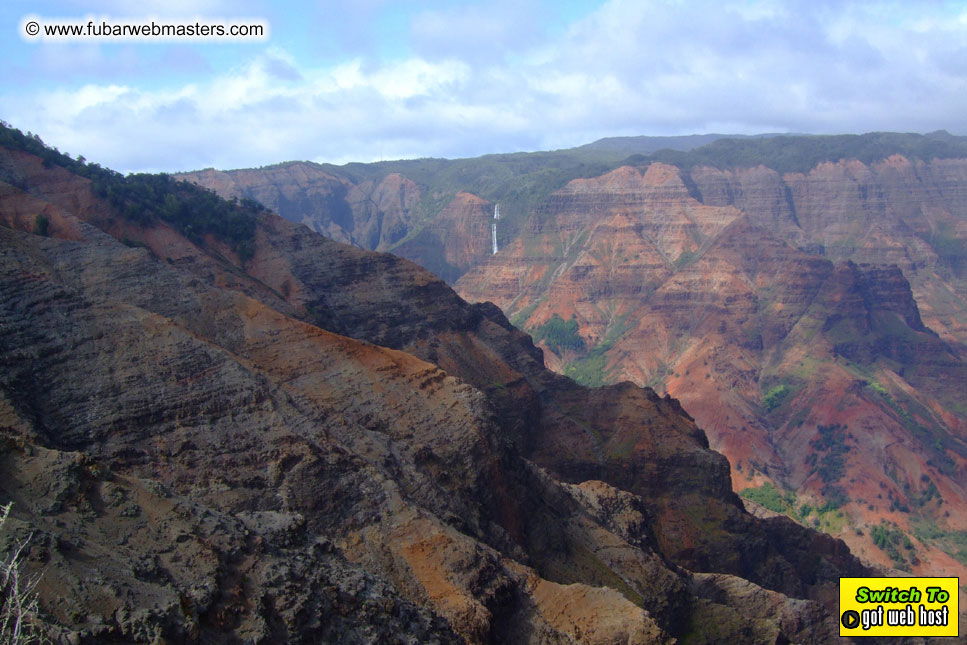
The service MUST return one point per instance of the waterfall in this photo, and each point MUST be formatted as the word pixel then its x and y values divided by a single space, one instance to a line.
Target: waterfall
pixel 493 228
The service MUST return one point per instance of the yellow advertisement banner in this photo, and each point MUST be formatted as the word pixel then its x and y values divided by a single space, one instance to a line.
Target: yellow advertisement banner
pixel 898 606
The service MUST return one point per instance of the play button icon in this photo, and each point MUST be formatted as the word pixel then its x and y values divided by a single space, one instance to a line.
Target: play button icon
pixel 850 619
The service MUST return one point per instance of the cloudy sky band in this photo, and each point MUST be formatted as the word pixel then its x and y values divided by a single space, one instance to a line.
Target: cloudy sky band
pixel 370 80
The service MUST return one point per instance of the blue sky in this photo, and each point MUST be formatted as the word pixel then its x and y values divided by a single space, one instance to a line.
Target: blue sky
pixel 376 79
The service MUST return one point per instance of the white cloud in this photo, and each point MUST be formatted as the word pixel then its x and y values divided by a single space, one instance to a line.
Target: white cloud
pixel 250 116
pixel 72 104
pixel 631 67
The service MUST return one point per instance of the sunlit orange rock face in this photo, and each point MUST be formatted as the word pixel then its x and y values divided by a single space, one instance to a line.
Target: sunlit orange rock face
pixel 773 307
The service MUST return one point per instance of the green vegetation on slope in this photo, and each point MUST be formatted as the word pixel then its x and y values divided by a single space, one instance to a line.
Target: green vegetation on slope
pixel 910 413
pixel 774 397
pixel 559 335
pixel 769 496
pixel 954 543
pixel 146 198
pixel 829 462
pixel 828 517
pixel 895 543
pixel 803 153
pixel 929 493
pixel 950 248
pixel 589 370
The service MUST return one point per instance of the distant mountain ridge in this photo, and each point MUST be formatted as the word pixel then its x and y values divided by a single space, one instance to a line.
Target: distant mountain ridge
pixel 645 145
pixel 801 153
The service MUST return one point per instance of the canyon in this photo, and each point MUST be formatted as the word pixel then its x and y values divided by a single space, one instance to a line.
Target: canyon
pixel 804 298
pixel 232 428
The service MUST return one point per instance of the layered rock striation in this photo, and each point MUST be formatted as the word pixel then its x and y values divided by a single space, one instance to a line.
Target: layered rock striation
pixel 324 443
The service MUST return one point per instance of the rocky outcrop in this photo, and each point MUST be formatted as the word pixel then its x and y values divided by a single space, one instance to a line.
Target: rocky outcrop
pixel 327 444
pixel 457 239
pixel 894 212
